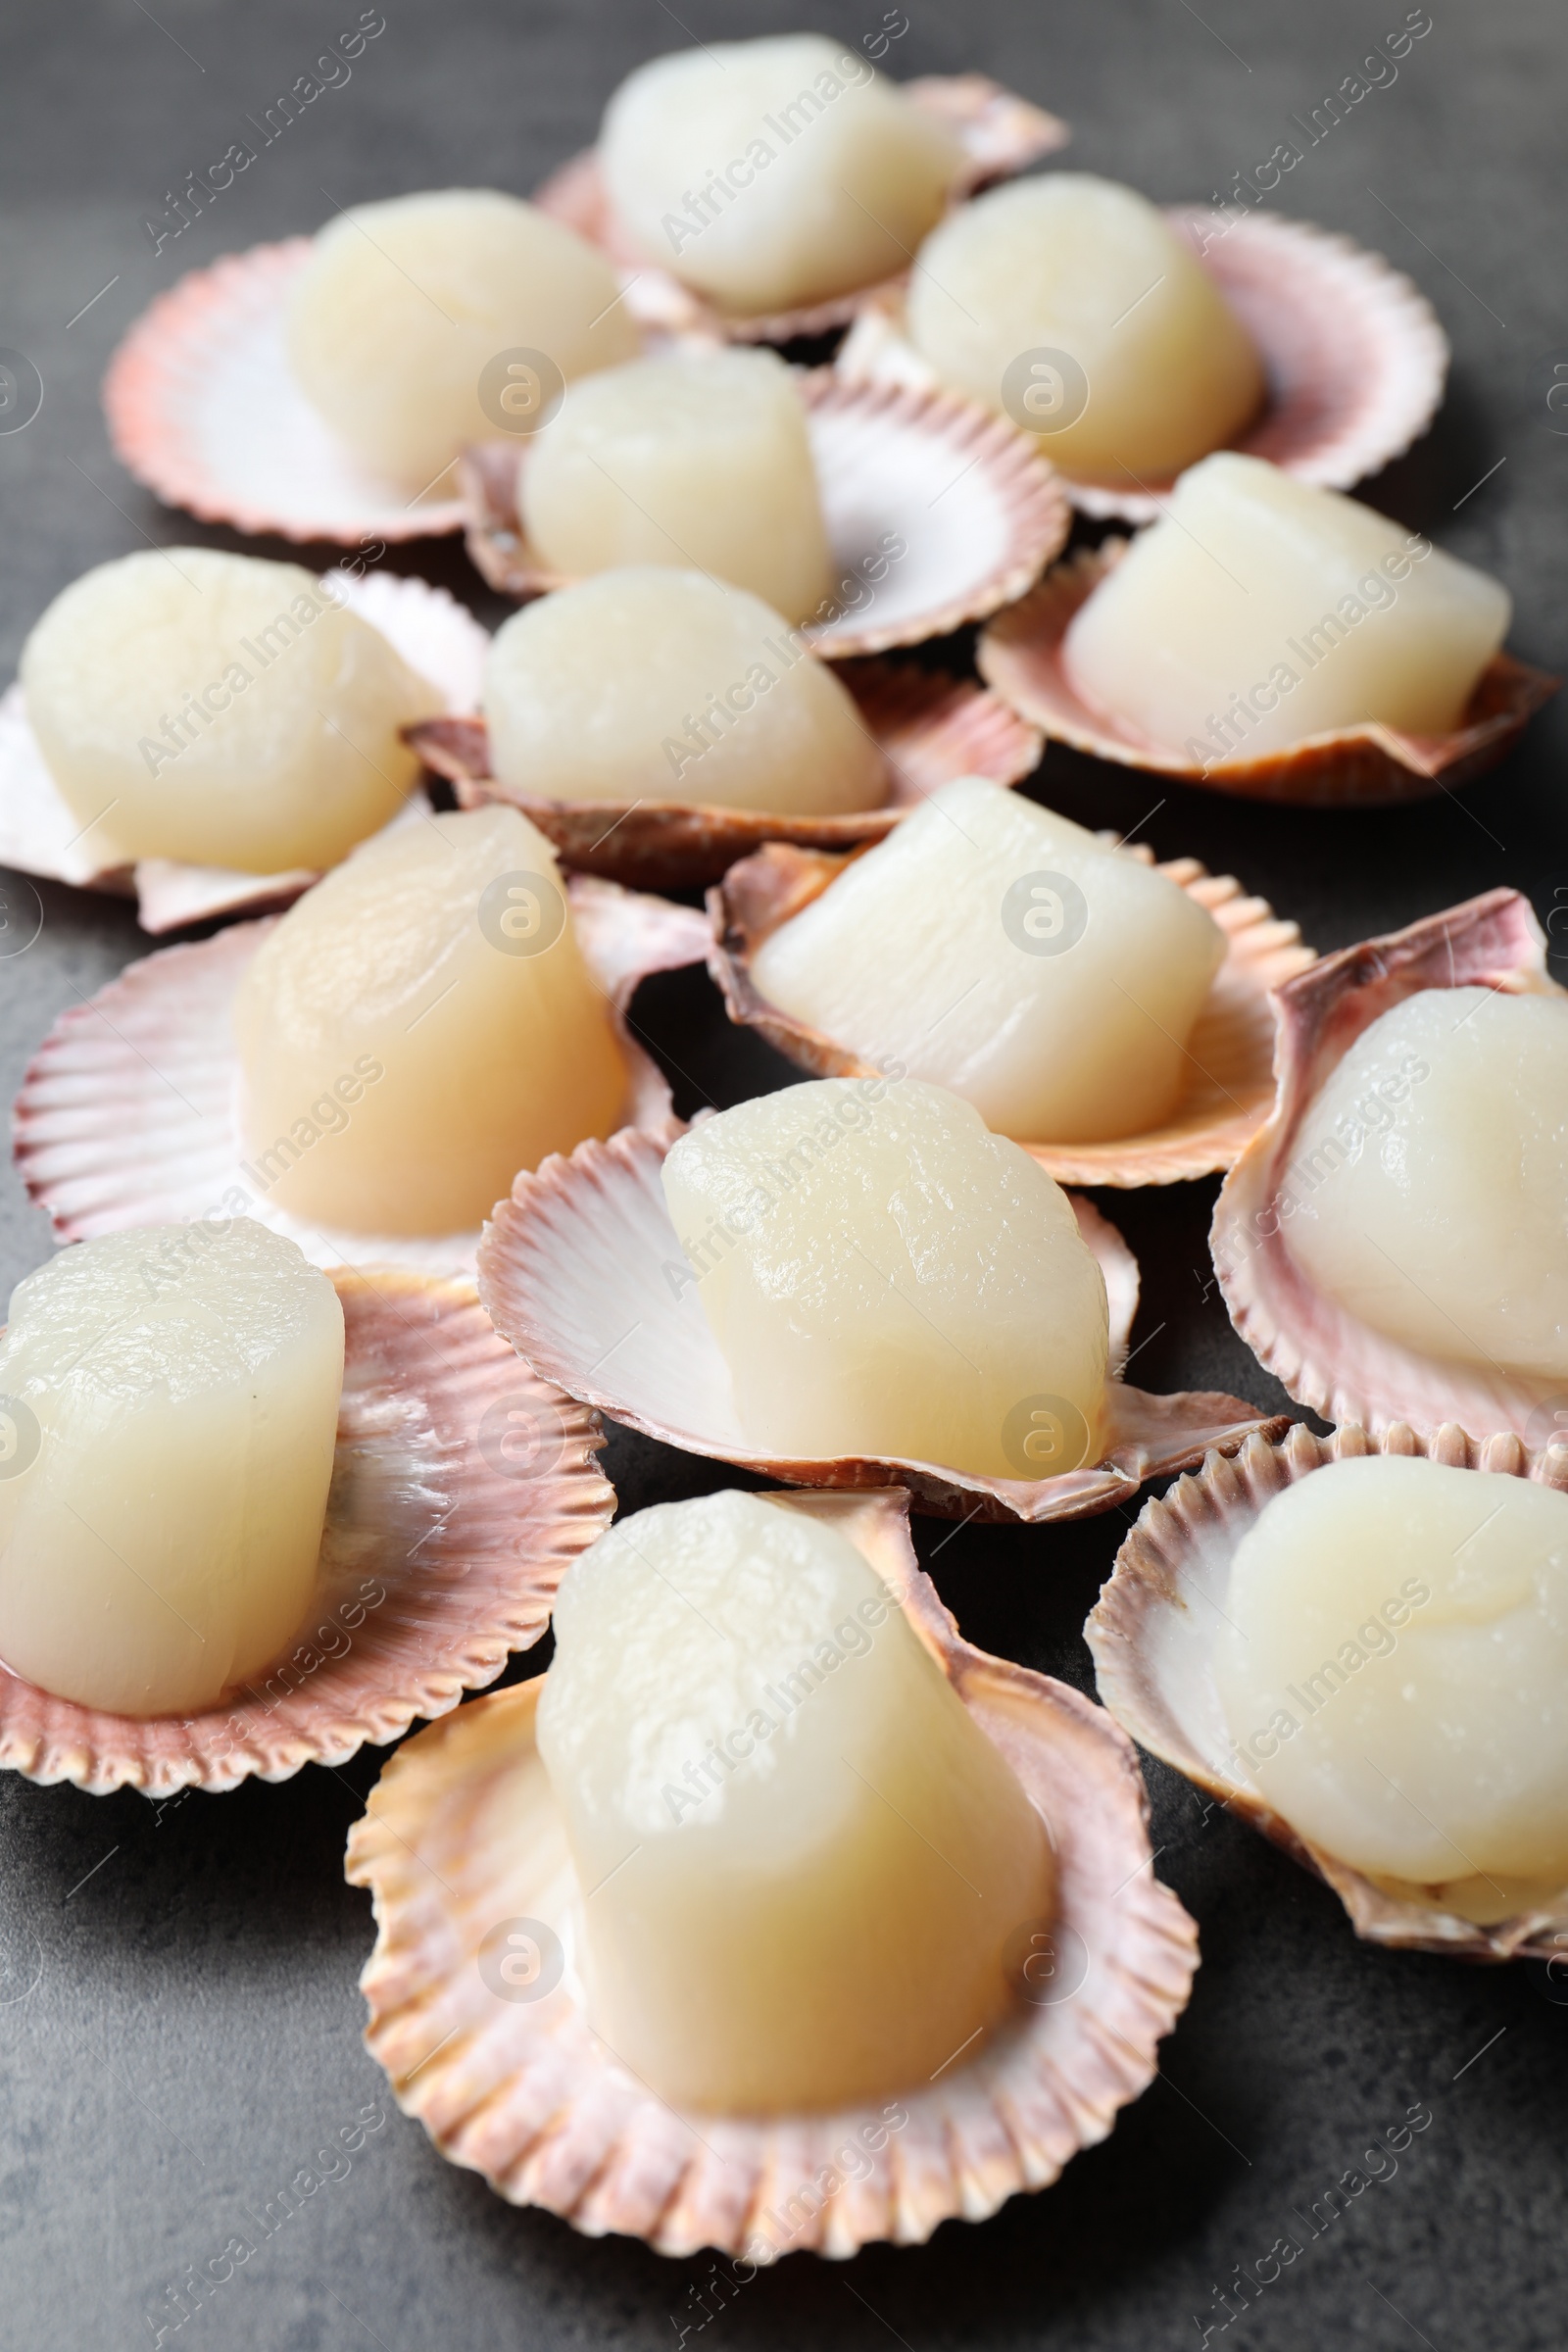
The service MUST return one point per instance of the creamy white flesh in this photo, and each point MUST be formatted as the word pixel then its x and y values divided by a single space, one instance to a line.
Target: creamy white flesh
pixel 406 1048
pixel 220 710
pixel 1426 1190
pixel 655 685
pixel 404 305
pixel 1070 268
pixel 883 1277
pixel 929 951
pixel 1259 611
pixel 698 461
pixel 773 172
pixel 806 1858
pixel 181 1386
pixel 1393 1665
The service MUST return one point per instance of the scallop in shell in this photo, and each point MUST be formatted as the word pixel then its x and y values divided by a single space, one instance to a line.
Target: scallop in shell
pixel 464 1839
pixel 128 1115
pixel 1152 1638
pixel 572 1271
pixel 38 835
pixel 1353 352
pixel 927 727
pixel 1230 1050
pixel 937 511
pixel 1019 655
pixel 1326 1354
pixel 463 1490
pixel 998 133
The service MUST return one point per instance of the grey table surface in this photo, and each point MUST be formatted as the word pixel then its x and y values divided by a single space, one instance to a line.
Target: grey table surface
pixel 180 2022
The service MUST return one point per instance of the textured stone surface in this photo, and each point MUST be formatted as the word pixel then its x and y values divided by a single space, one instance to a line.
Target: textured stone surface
pixel 190 2038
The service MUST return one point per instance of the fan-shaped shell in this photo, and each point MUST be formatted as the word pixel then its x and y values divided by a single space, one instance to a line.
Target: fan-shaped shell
pixel 1152 1634
pixel 465 1488
pixel 462 1835
pixel 1354 354
pixel 127 1114
pixel 1230 1051
pixel 1327 1357
pixel 977 513
pixel 1369 766
pixel 575 1270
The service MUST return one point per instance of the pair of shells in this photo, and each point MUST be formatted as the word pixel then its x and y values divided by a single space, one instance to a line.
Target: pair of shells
pixel 1152 1633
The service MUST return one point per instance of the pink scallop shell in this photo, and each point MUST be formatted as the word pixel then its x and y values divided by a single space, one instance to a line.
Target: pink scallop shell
pixel 1355 358
pixel 887 461
pixel 1326 1357
pixel 461 1832
pixel 1369 766
pixel 466 1555
pixel 572 1271
pixel 127 1114
pixel 930 728
pixel 38 834
pixel 202 406
pixel 1231 1048
pixel 999 134
pixel 1152 1650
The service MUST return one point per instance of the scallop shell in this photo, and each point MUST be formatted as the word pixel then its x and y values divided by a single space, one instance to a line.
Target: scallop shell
pixel 1354 354
pixel 999 134
pixel 1230 1048
pixel 462 1833
pixel 127 1114
pixel 38 834
pixel 465 1549
pixel 573 1272
pixel 1367 765
pixel 930 729
pixel 202 408
pixel 978 512
pixel 1151 1652
pixel 1325 1356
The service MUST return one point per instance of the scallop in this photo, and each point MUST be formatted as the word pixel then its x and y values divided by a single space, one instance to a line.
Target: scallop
pixel 221 710
pixel 494 1968
pixel 1113 1017
pixel 583 1270
pixel 1391 1243
pixel 169 1616
pixel 1359 1643
pixel 769 173
pixel 405 304
pixel 1071 304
